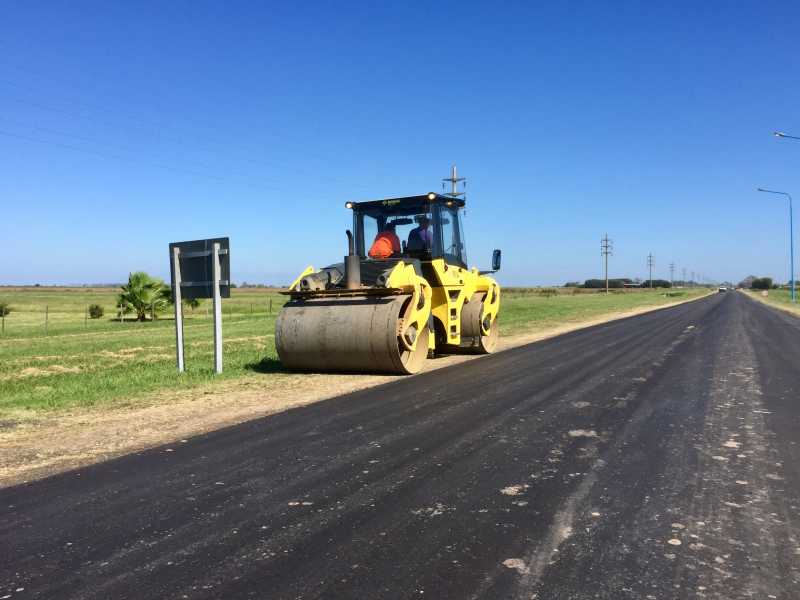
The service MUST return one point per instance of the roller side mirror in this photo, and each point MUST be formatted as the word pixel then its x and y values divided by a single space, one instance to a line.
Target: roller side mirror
pixel 496 256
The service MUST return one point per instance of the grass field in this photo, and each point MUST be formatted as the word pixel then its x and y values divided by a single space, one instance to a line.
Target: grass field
pixel 74 361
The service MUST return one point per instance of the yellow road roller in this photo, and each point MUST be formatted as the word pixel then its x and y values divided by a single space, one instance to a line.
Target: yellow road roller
pixel 404 292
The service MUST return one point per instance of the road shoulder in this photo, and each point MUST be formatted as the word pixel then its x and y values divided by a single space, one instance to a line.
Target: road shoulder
pixel 792 310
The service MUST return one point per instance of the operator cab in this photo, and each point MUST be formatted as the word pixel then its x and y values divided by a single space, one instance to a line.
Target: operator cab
pixel 427 227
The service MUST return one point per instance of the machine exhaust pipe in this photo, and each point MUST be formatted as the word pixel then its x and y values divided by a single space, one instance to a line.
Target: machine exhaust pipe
pixel 352 265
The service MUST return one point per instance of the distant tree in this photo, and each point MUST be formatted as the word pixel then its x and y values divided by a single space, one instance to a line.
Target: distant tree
pixel 95 311
pixel 660 283
pixel 762 283
pixel 572 284
pixel 4 309
pixel 143 294
pixel 601 283
pixel 747 282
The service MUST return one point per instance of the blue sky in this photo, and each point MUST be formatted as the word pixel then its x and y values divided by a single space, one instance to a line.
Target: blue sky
pixel 125 126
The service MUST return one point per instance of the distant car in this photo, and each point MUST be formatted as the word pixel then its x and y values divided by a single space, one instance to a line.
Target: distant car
pixel 722 289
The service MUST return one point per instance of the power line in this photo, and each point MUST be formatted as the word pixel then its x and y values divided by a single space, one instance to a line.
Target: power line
pixel 158 127
pixel 672 274
pixel 102 154
pixel 135 160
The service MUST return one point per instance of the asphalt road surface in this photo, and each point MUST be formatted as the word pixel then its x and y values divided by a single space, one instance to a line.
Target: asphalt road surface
pixel 653 457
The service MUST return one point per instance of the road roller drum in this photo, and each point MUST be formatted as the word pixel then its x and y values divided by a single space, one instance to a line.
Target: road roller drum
pixel 352 334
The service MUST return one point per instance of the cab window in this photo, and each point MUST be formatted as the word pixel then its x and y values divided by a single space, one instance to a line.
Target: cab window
pixel 450 237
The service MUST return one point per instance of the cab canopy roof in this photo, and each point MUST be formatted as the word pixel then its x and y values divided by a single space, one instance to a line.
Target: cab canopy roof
pixel 406 205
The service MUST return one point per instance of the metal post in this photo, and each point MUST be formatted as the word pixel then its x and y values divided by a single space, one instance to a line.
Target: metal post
pixel 791 248
pixel 176 286
pixel 270 306
pixel 217 305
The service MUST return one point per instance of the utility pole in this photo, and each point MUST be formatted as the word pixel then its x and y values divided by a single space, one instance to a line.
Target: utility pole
pixel 692 280
pixel 672 274
pixel 454 180
pixel 684 277
pixel 606 250
pixel 650 262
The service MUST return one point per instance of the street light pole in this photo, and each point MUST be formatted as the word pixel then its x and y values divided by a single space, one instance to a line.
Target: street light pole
pixel 791 235
pixel 781 134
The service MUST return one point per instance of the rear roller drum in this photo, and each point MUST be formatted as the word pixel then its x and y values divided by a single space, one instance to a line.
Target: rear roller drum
pixel 472 336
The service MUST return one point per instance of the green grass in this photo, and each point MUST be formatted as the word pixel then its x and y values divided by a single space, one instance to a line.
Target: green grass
pixel 526 310
pixel 83 362
pixel 77 362
pixel 781 298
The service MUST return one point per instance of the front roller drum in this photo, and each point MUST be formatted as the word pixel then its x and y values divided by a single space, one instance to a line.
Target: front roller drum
pixel 357 334
pixel 472 336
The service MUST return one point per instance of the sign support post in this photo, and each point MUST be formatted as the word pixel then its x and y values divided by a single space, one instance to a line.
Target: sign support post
pixel 176 287
pixel 200 269
pixel 217 300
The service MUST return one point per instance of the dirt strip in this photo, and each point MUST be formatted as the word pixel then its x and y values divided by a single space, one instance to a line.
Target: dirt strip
pixel 66 440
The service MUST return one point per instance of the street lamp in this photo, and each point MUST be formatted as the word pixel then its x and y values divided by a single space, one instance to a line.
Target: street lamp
pixel 791 238
pixel 781 134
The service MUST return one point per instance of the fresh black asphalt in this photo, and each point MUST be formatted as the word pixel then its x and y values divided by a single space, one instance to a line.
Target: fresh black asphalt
pixel 654 457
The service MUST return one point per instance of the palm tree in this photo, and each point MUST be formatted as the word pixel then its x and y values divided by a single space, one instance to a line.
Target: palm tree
pixel 143 294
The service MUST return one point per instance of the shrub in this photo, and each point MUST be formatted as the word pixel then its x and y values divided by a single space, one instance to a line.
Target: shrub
pixel 547 292
pixel 193 303
pixel 659 283
pixel 4 309
pixel 95 311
